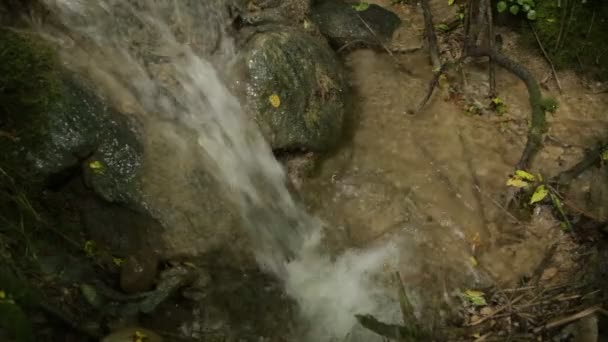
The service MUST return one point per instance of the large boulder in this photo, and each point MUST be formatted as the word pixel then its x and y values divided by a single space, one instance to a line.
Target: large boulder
pixel 345 24
pixel 296 89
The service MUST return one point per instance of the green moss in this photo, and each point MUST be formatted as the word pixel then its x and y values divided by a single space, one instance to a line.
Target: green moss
pixel 581 43
pixel 29 85
pixel 30 81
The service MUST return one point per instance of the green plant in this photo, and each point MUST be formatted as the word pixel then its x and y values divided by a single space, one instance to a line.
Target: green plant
pixel 525 180
pixel 516 7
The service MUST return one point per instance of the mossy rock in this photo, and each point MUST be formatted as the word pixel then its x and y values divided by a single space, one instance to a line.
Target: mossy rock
pixel 296 89
pixel 581 44
pixel 51 123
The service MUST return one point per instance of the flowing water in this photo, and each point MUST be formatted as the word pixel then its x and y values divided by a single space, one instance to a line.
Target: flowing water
pixel 190 106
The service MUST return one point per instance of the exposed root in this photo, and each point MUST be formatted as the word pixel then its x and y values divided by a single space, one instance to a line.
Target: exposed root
pixel 429 31
pixel 537 120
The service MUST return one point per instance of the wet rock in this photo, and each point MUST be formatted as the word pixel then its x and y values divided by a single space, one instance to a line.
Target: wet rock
pixel 296 89
pixel 138 273
pixel 131 334
pixel 260 11
pixel 343 25
pixel 51 122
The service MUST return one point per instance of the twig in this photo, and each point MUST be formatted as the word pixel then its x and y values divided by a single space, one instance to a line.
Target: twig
pixel 498 205
pixel 501 308
pixel 492 68
pixel 562 26
pixel 565 320
pixel 547 58
pixel 434 82
pixel 431 38
pixel 401 66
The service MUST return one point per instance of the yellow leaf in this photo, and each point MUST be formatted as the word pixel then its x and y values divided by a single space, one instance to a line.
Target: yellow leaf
pixel 275 100
pixel 118 261
pixel 473 261
pixel 139 336
pixel 473 293
pixel 189 264
pixel 450 2
pixel 525 175
pixel 2 294
pixel 497 101
pixel 90 248
pixel 517 182
pixel 539 194
pixel 605 155
pixel 96 166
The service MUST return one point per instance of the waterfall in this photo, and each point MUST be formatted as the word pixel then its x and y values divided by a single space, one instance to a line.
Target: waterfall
pixel 194 95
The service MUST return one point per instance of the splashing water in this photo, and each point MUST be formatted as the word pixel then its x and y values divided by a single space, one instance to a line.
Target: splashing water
pixel 192 95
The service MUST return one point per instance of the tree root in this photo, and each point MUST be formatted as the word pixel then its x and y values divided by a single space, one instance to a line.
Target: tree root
pixel 537 120
pixel 429 32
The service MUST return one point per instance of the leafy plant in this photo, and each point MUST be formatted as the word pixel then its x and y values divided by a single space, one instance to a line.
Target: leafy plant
pixel 516 7
pixel 525 180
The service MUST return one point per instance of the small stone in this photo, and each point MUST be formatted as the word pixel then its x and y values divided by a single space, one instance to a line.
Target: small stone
pixel 139 272
pixel 548 273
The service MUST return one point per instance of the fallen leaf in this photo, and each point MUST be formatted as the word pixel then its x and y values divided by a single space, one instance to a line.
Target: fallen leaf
pixel 549 273
pixel 539 194
pixel 473 261
pixel 118 261
pixel 139 337
pixel 517 182
pixel 362 6
pixel 525 175
pixel 475 297
pixel 275 100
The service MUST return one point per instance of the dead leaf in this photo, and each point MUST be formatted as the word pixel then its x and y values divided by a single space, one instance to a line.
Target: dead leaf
pixel 549 273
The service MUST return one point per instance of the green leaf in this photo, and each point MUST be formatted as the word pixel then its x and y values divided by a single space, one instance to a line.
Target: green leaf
pixel 517 182
pixel 475 297
pixel 520 2
pixel 360 7
pixel 501 6
pixel 525 175
pixel 526 8
pixel 450 2
pixel 605 155
pixel 514 9
pixel 443 27
pixel 539 194
pixel 532 15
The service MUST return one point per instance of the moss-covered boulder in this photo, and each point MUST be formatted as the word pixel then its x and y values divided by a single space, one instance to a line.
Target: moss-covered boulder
pixel 346 24
pixel 296 89
pixel 51 124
